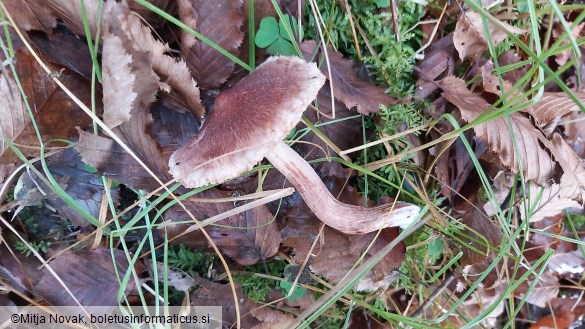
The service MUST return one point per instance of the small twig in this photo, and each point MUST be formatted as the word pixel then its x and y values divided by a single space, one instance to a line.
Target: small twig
pixel 448 280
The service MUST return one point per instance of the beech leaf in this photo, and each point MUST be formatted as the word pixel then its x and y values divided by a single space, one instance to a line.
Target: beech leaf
pixel 338 254
pixel 248 237
pixel 544 202
pixel 220 21
pixel 349 88
pixel 470 39
pixel 90 275
pixel 551 108
pixel 55 113
pixel 536 163
pixel 109 158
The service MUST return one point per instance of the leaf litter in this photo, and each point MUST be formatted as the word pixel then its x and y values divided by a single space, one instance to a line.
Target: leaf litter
pixel 150 97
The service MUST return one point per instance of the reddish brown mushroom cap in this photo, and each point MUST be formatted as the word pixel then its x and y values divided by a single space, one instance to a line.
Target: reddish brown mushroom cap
pixel 248 118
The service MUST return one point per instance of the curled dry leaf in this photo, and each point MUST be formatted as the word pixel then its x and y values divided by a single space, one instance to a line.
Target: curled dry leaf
pixel 551 108
pixel 176 74
pixel 573 178
pixel 90 275
pixel 544 202
pixel 469 37
pixel 132 63
pixel 534 159
pixel 55 113
pixel 129 83
pixel 219 21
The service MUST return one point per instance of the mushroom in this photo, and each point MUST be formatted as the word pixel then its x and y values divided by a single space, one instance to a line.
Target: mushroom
pixel 249 122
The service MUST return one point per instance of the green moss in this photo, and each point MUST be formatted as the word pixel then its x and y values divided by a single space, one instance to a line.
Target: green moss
pixel 255 287
pixel 191 262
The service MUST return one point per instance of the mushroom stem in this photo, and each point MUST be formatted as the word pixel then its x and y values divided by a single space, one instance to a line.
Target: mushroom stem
pixel 343 217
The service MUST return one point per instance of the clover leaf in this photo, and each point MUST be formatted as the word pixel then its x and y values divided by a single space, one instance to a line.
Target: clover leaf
pixel 273 35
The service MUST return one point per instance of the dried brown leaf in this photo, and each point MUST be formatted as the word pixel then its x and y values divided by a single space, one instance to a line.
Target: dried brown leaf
pixel 574 133
pixel 248 237
pixel 536 163
pixel 130 89
pixel 339 253
pixel 558 31
pixel 90 275
pixel 172 128
pixel 31 15
pixel 469 37
pixel 109 158
pixel 545 289
pixel 560 319
pixel 439 59
pixel 65 49
pixel 344 134
pixel 544 202
pixel 85 188
pixel 573 178
pixel 21 273
pixel 214 294
pixel 177 76
pixel 55 113
pixel 129 83
pixel 219 21
pixel 270 318
pixel 349 88
pixel 177 279
pixel 551 108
